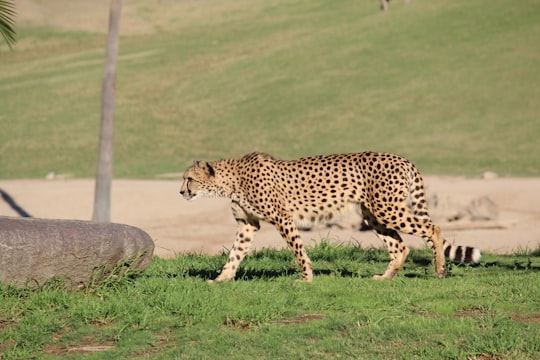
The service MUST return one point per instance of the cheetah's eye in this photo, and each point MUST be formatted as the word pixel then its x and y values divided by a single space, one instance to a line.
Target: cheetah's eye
pixel 190 181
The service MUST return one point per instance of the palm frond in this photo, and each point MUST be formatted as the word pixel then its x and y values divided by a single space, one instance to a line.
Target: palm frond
pixel 7 22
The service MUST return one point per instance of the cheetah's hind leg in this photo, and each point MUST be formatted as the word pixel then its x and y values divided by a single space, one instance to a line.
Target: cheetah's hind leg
pixel 397 252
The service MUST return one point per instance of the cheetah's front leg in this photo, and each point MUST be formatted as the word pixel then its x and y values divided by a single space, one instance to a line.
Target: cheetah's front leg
pixel 289 232
pixel 247 226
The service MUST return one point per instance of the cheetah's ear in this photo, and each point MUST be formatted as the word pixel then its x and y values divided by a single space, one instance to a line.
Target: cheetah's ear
pixel 205 166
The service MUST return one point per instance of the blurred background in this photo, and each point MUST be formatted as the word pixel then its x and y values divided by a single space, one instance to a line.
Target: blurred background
pixel 452 85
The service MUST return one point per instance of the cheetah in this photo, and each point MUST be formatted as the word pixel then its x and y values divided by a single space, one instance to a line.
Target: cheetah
pixel 387 187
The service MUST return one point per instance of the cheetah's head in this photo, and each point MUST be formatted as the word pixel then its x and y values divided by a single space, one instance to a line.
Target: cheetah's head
pixel 199 180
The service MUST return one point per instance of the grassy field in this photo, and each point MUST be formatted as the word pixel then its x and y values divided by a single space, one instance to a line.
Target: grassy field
pixel 452 85
pixel 171 312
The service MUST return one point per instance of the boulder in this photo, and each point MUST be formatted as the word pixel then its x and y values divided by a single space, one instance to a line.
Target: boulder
pixel 448 209
pixel 76 253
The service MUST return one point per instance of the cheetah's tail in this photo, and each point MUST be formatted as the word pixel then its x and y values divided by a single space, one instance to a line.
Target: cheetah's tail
pixel 462 254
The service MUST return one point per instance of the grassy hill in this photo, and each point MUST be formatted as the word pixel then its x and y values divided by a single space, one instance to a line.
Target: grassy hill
pixel 452 85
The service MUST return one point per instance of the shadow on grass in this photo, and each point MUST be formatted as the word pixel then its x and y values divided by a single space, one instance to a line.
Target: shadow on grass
pixel 345 262
pixel 254 274
pixel 258 274
pixel 516 265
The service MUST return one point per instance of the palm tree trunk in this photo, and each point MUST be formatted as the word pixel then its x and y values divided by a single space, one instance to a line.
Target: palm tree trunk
pixel 102 198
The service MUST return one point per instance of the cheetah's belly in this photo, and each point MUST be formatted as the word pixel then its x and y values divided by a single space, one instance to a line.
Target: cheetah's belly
pixel 308 216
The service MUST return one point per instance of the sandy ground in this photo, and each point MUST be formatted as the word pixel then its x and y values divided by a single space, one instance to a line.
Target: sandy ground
pixel 207 226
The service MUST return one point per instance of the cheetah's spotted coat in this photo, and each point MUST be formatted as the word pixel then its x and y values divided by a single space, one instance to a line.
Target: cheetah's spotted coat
pixel 388 189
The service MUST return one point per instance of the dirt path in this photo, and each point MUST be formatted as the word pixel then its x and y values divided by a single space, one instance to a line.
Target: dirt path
pixel 207 226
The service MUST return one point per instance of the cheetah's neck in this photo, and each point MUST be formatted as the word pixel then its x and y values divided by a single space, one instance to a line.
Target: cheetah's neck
pixel 225 173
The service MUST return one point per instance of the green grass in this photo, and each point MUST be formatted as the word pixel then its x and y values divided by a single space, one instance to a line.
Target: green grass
pixel 451 85
pixel 171 312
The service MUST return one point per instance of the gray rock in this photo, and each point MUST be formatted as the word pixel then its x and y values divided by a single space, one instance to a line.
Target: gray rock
pixel 77 253
pixel 448 209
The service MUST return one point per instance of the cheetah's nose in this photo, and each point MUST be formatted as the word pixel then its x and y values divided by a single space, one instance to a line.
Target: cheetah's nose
pixel 184 194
